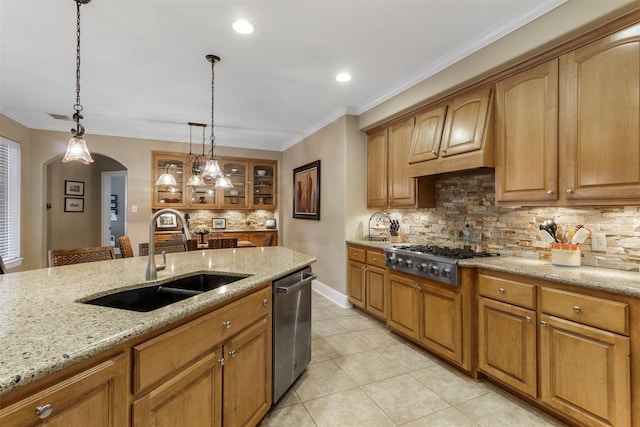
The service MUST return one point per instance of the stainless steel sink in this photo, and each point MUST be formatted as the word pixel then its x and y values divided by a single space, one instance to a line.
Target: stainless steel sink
pixel 152 297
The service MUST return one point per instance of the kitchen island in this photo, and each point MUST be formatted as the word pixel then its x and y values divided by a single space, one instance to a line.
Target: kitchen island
pixel 44 329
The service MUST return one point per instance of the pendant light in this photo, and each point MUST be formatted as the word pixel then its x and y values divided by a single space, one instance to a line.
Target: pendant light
pixel 167 179
pixel 195 180
pixel 77 147
pixel 212 168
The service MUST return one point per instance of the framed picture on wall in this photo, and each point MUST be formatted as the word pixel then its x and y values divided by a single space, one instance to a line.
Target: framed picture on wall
pixel 167 220
pixel 306 191
pixel 219 223
pixel 73 204
pixel 73 188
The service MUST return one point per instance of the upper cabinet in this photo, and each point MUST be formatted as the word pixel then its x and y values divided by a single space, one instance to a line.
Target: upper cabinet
pixel 527 135
pixel 600 119
pixel 454 137
pixel 568 130
pixel 388 184
pixel 254 184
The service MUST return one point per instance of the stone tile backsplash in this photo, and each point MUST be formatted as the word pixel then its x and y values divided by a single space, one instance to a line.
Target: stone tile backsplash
pixel 236 220
pixel 470 198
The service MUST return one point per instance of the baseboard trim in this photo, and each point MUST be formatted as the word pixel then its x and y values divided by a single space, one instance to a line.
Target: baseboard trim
pixel 331 294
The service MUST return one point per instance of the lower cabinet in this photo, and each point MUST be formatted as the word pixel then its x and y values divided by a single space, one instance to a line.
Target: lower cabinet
pixel 99 394
pixel 258 238
pixel 367 280
pixel 404 314
pixel 212 371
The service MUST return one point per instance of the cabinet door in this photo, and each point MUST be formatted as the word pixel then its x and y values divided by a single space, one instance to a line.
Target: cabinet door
pixel 263 180
pixel 236 197
pixel 466 123
pixel 169 196
pixel 376 301
pixel 507 344
pixel 402 188
pixel 600 118
pixel 356 279
pixel 99 394
pixel 441 321
pixel 585 372
pixel 427 135
pixel 247 376
pixel 191 398
pixel 403 305
pixel 377 169
pixel 527 135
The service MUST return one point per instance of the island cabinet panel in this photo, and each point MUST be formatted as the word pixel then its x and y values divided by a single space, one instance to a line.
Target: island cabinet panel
pixel 600 118
pixel 99 394
pixel 212 371
pixel 527 135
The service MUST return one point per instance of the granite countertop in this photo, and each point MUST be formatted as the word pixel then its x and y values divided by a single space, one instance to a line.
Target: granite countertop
pixel 603 279
pixel 43 328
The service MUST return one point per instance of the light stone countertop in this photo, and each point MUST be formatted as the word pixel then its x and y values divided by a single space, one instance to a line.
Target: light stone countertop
pixel 603 279
pixel 43 328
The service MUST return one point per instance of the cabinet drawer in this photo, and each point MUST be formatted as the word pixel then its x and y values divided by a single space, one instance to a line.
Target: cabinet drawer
pixel 165 355
pixel 357 254
pixel 600 313
pixel 375 258
pixel 508 291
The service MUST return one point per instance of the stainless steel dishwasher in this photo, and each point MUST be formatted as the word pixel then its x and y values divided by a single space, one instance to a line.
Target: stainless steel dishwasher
pixel 291 328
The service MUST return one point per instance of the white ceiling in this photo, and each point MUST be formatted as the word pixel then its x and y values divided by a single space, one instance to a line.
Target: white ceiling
pixel 144 73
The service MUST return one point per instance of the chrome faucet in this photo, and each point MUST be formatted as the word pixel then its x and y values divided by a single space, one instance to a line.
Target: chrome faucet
pixel 152 268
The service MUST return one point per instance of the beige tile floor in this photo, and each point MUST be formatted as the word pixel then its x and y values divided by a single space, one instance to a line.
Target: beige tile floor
pixel 363 375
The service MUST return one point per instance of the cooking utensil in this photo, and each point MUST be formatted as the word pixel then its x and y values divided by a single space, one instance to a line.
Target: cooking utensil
pixel 550 227
pixel 581 235
pixel 545 236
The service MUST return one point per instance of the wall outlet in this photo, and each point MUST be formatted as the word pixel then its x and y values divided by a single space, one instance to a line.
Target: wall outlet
pixel 599 242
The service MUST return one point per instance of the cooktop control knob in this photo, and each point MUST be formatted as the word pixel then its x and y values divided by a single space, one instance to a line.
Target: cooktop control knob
pixel 409 263
pixel 399 261
pixel 424 267
pixel 446 272
pixel 433 268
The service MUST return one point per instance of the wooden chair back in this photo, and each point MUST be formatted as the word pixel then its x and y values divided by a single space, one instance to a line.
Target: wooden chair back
pixel 223 243
pixel 80 255
pixel 192 244
pixel 268 240
pixel 126 250
pixel 169 246
pixel 3 268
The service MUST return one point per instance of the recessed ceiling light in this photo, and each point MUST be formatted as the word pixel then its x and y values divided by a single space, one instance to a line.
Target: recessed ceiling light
pixel 243 27
pixel 343 77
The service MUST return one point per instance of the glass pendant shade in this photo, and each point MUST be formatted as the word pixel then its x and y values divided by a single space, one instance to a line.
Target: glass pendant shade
pixel 223 182
pixel 77 150
pixel 212 169
pixel 195 181
pixel 166 179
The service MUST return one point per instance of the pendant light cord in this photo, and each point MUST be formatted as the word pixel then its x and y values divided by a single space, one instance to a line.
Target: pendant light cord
pixel 213 59
pixel 79 130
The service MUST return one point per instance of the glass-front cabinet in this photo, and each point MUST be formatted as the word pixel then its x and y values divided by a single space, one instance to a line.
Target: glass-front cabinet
pixel 254 184
pixel 264 185
pixel 169 196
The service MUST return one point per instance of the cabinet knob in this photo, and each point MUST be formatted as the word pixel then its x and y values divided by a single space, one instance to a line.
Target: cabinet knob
pixel 375 260
pixel 569 190
pixel 265 302
pixel 576 308
pixel 550 193
pixel 434 152
pixel 444 150
pixel 501 290
pixel 543 323
pixel 227 324
pixel 527 318
pixel 44 411
pixel 222 361
pixel 232 353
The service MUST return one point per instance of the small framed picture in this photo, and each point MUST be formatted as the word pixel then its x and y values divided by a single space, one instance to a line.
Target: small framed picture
pixel 219 223
pixel 73 204
pixel 73 188
pixel 270 223
pixel 167 220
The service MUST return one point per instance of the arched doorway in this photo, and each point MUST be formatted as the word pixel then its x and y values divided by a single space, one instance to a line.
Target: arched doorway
pixel 77 208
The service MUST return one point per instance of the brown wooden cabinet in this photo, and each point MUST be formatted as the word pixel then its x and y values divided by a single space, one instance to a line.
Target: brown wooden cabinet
pixel 427 135
pixel 99 394
pixel 404 311
pixel 254 184
pixel 507 336
pixel 367 280
pixel 584 364
pixel 527 135
pixel 214 370
pixel 258 238
pixel 388 184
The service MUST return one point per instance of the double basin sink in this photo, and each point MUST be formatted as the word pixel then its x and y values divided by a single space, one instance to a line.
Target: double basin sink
pixel 152 297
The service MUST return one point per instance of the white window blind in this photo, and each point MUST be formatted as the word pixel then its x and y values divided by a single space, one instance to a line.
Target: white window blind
pixel 9 202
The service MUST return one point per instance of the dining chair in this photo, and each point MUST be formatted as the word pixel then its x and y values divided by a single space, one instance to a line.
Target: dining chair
pixel 60 257
pixel 223 243
pixel 268 239
pixel 192 245
pixel 168 246
pixel 3 268
pixel 126 250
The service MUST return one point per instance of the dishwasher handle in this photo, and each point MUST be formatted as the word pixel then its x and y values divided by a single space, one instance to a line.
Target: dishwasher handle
pixel 296 286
